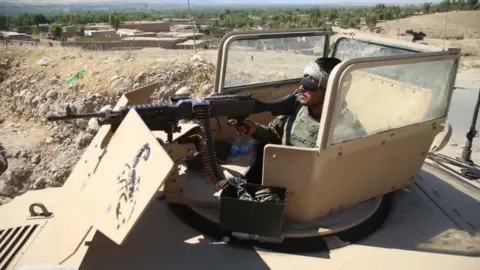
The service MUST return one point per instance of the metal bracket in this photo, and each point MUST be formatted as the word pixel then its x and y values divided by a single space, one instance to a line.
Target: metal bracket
pixel 44 214
pixel 455 50
pixel 246 236
pixel 470 172
pixel 198 103
pixel 178 152
pixel 172 191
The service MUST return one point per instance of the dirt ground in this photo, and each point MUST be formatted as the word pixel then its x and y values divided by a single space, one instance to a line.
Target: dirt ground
pixel 42 154
pixel 459 25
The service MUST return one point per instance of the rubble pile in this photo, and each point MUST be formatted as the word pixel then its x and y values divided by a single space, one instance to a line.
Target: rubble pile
pixel 27 97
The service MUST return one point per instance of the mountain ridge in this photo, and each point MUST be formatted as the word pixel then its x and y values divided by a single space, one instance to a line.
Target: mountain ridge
pixel 20 6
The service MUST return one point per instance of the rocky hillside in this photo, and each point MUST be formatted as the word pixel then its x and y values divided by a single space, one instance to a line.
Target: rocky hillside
pixel 460 25
pixel 462 29
pixel 40 153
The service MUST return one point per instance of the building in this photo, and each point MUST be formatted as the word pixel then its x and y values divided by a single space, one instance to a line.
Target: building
pixel 98 26
pixel 184 36
pixel 152 42
pixel 69 31
pixel 131 32
pixel 147 26
pixel 199 44
pixel 178 21
pixel 94 39
pixel 220 32
pixel 183 28
pixel 24 29
pixel 100 33
pixel 17 36
pixel 43 27
pixel 175 21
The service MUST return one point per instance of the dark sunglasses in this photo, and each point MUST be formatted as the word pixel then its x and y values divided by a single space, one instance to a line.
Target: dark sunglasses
pixel 309 85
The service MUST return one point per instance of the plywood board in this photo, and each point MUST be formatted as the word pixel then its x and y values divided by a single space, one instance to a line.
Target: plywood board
pixel 133 170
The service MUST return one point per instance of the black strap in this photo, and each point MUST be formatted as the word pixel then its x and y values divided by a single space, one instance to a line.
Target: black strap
pixel 288 125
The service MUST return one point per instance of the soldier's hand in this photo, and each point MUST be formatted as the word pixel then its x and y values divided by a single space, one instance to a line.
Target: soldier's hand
pixel 245 127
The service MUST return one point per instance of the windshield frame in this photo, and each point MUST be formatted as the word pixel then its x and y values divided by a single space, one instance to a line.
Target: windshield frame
pixel 227 40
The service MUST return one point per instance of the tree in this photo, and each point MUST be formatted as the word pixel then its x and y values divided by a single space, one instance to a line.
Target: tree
pixel 472 2
pixel 35 30
pixel 388 15
pixel 55 30
pixel 246 28
pixel 332 14
pixel 40 19
pixel 426 8
pixel 114 19
pixel 397 11
pixel 371 21
pixel 3 22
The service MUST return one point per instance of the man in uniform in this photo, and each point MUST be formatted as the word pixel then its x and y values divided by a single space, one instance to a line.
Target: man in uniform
pixel 301 128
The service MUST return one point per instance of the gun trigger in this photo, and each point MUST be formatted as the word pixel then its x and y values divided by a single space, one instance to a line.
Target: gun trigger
pixel 233 123
pixel 237 120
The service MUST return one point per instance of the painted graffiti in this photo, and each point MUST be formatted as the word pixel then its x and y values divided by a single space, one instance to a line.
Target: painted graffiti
pixel 129 184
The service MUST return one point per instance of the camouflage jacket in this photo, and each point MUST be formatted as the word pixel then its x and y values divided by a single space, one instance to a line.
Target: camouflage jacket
pixel 279 130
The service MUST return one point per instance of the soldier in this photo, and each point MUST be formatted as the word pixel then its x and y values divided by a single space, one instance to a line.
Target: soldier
pixel 301 128
pixel 3 160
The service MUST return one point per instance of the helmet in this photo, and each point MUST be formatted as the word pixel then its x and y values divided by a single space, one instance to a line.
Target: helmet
pixel 320 71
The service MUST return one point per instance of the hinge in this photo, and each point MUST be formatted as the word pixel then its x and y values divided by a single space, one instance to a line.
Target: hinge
pixel 455 50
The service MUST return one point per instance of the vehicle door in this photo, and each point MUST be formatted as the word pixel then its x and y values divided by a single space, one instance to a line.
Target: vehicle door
pixel 380 118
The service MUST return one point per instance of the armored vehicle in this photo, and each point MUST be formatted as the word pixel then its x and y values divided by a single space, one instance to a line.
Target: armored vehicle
pixel 151 196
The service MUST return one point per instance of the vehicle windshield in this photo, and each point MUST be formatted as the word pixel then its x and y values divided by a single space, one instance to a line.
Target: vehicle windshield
pixel 395 95
pixel 254 61
pixel 347 48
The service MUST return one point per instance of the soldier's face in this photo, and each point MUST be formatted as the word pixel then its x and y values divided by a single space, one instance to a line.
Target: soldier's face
pixel 311 97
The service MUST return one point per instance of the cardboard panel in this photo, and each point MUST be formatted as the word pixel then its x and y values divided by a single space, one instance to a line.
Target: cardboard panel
pixel 133 169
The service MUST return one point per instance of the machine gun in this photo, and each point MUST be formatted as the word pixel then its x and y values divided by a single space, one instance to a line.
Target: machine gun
pixel 165 116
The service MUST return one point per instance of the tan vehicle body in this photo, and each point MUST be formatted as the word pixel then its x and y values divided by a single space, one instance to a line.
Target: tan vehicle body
pixel 431 220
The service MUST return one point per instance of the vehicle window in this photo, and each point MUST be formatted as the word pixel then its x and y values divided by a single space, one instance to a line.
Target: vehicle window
pixel 351 48
pixel 381 98
pixel 271 59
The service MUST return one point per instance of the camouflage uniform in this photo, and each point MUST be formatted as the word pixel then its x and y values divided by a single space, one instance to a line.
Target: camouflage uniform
pixel 3 160
pixel 301 129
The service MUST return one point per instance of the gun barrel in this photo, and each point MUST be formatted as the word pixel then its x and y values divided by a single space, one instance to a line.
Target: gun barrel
pixel 74 116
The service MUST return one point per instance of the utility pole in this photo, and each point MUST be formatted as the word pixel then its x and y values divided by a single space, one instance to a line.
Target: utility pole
pixel 129 54
pixel 193 27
